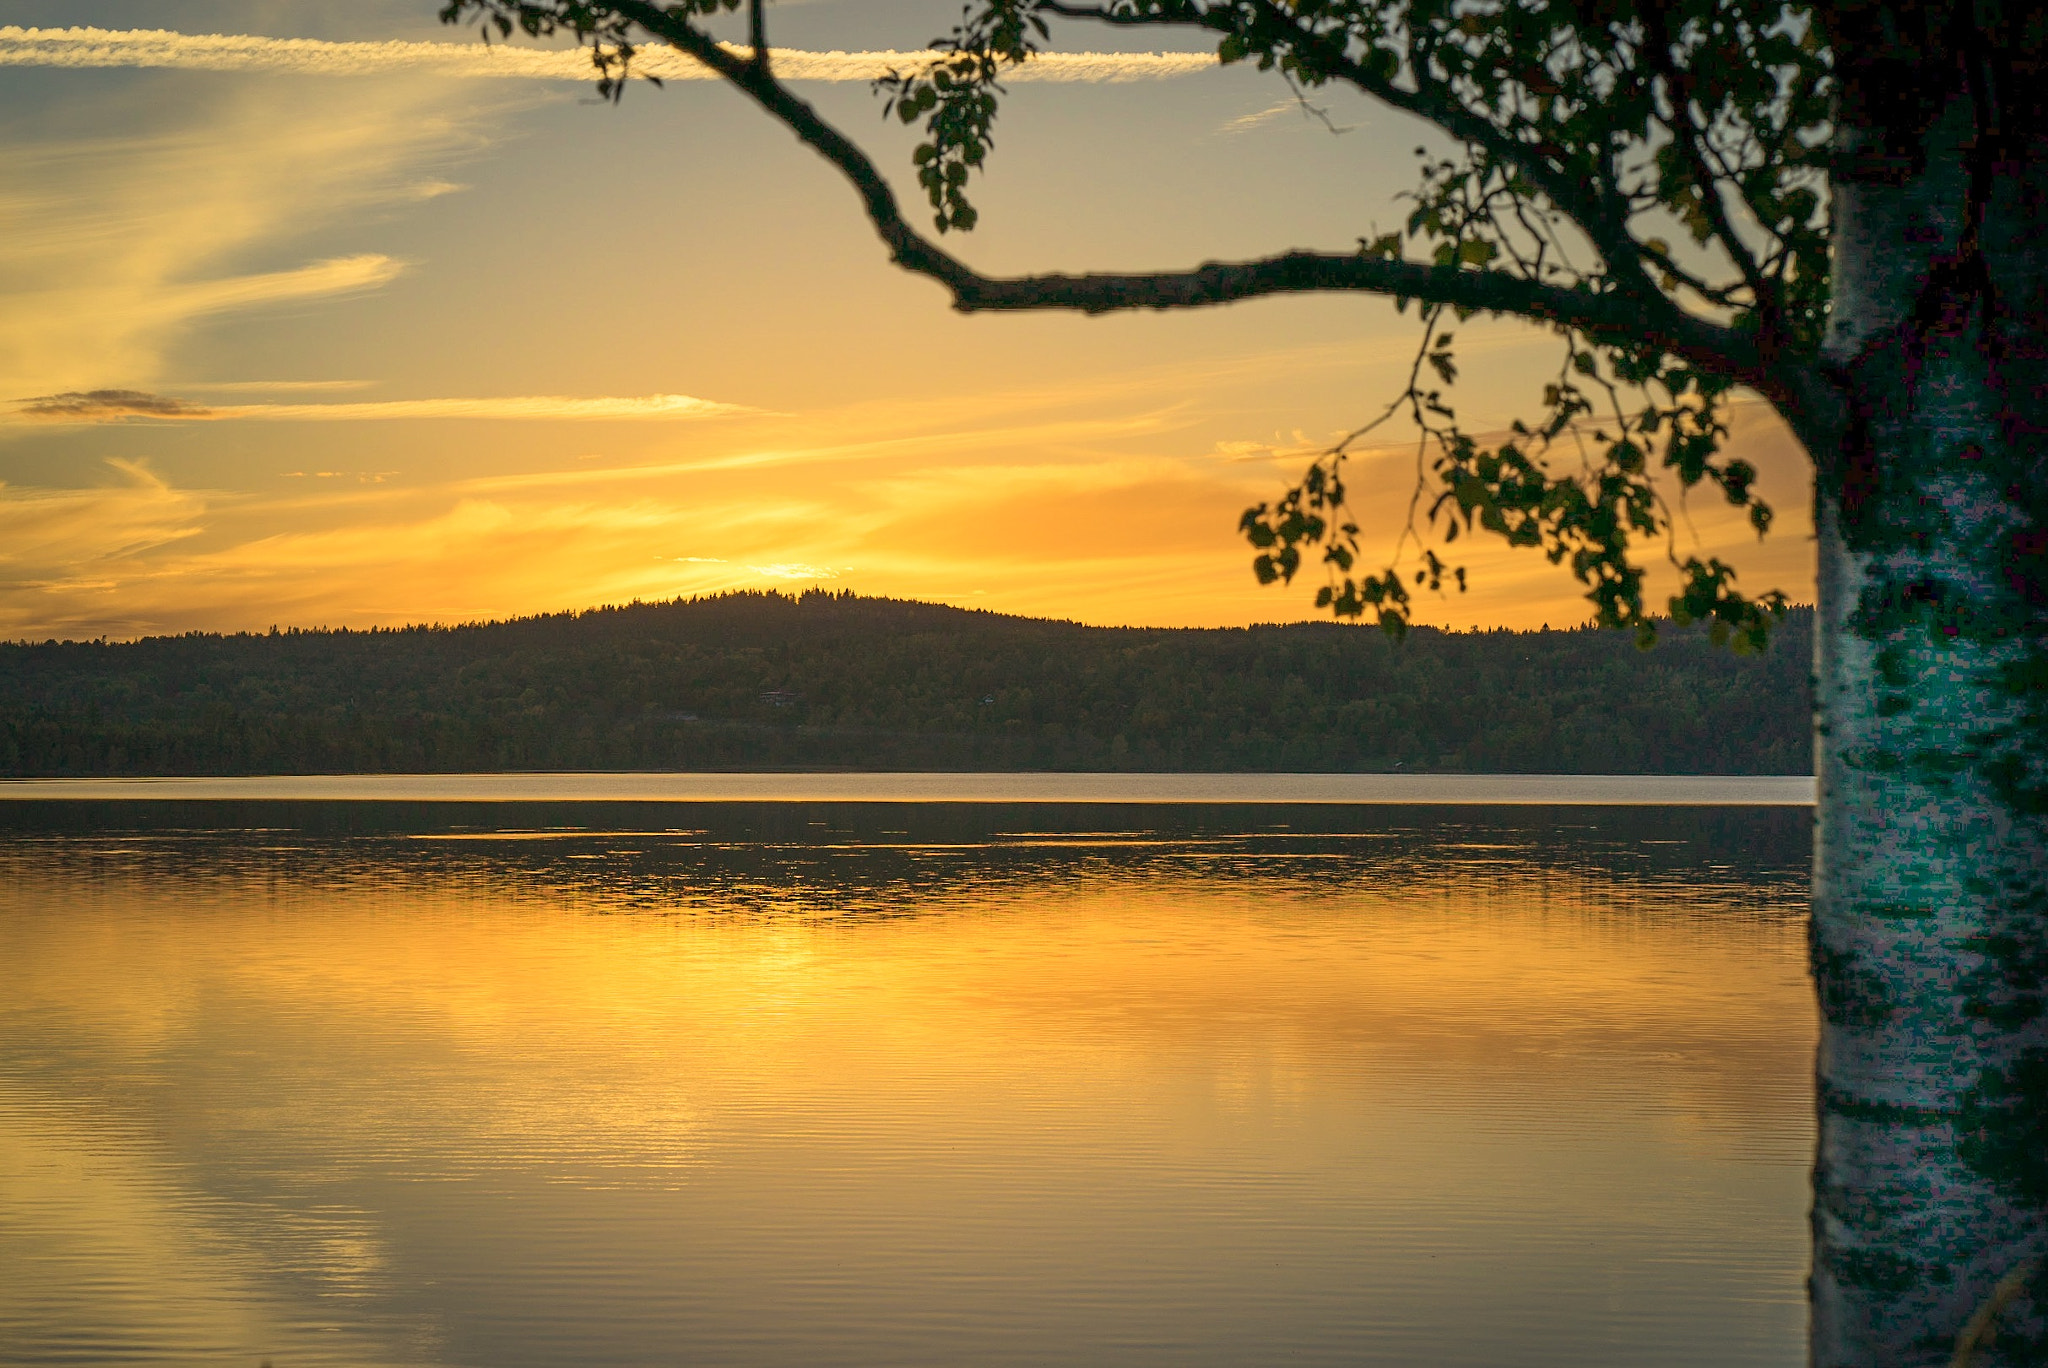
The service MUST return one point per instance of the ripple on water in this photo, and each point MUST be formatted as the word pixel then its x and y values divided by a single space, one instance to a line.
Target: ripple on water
pixel 878 1083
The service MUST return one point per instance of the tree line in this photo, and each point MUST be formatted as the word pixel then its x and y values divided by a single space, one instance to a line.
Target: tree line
pixel 764 680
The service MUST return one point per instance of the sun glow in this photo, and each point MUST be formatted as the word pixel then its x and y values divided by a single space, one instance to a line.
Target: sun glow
pixel 743 396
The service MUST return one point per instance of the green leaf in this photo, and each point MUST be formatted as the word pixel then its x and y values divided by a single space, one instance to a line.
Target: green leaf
pixel 1476 252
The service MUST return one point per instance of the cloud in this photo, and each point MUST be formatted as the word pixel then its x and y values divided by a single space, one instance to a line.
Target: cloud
pixel 276 386
pixel 80 542
pixel 793 570
pixel 116 244
pixel 1041 499
pixel 1245 122
pixel 107 406
pixel 337 275
pixel 1111 528
pixel 119 405
pixel 1293 454
pixel 98 47
pixel 556 406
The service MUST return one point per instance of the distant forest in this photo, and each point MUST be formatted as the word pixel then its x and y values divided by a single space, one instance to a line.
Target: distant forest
pixel 825 681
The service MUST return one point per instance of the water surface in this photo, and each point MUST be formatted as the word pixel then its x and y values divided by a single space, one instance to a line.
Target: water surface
pixel 378 1083
pixel 1628 790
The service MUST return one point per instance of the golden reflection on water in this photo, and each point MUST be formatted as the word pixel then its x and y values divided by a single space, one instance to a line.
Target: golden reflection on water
pixel 1076 1112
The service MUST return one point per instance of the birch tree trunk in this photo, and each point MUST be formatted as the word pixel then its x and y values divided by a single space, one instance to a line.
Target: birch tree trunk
pixel 1930 897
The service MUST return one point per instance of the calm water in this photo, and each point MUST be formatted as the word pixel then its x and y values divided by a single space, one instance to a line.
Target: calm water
pixel 1775 790
pixel 499 1084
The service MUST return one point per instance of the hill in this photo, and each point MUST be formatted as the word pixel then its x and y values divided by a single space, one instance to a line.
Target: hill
pixel 762 680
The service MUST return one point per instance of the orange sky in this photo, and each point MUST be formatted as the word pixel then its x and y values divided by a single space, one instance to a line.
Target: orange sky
pixel 425 345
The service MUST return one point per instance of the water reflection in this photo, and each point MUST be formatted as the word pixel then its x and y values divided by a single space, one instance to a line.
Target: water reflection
pixel 763 1084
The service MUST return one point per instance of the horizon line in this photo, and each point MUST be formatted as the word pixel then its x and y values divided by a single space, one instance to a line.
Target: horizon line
pixel 793 597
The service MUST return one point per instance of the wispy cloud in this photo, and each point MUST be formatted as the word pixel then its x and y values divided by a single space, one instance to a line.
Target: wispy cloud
pixel 793 570
pixel 1246 122
pixel 1113 528
pixel 359 476
pixel 337 275
pixel 275 386
pixel 98 47
pixel 116 245
pixel 124 405
pixel 80 542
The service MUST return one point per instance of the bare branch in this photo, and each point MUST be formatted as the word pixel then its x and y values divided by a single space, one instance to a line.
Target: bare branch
pixel 1603 218
pixel 1425 103
pixel 1717 295
pixel 1685 128
pixel 757 31
pixel 1607 314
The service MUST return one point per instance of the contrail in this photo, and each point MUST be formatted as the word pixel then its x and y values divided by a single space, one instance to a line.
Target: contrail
pixel 98 47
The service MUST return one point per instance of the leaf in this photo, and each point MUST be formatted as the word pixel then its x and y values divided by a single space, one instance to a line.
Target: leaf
pixel 1476 252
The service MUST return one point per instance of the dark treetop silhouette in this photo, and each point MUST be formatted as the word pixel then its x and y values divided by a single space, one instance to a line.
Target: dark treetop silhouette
pixel 1858 190
pixel 762 681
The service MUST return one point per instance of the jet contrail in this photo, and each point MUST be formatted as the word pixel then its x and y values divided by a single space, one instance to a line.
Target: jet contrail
pixel 165 48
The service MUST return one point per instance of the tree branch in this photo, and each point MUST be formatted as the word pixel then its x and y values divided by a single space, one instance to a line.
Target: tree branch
pixel 1603 220
pixel 1678 87
pixel 1607 315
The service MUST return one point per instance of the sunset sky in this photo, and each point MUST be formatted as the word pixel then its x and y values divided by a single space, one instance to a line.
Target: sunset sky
pixel 429 334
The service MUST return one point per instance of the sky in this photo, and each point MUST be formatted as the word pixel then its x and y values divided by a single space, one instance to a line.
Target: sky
pixel 387 333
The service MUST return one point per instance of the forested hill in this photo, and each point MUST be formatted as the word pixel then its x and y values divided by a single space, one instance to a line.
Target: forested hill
pixel 752 680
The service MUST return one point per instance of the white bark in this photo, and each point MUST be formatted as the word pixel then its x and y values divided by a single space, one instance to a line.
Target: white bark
pixel 1931 872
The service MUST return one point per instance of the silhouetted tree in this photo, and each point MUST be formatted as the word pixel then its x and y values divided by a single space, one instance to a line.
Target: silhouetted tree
pixel 765 681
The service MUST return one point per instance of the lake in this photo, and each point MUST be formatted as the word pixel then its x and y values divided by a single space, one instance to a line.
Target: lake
pixel 1127 1081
